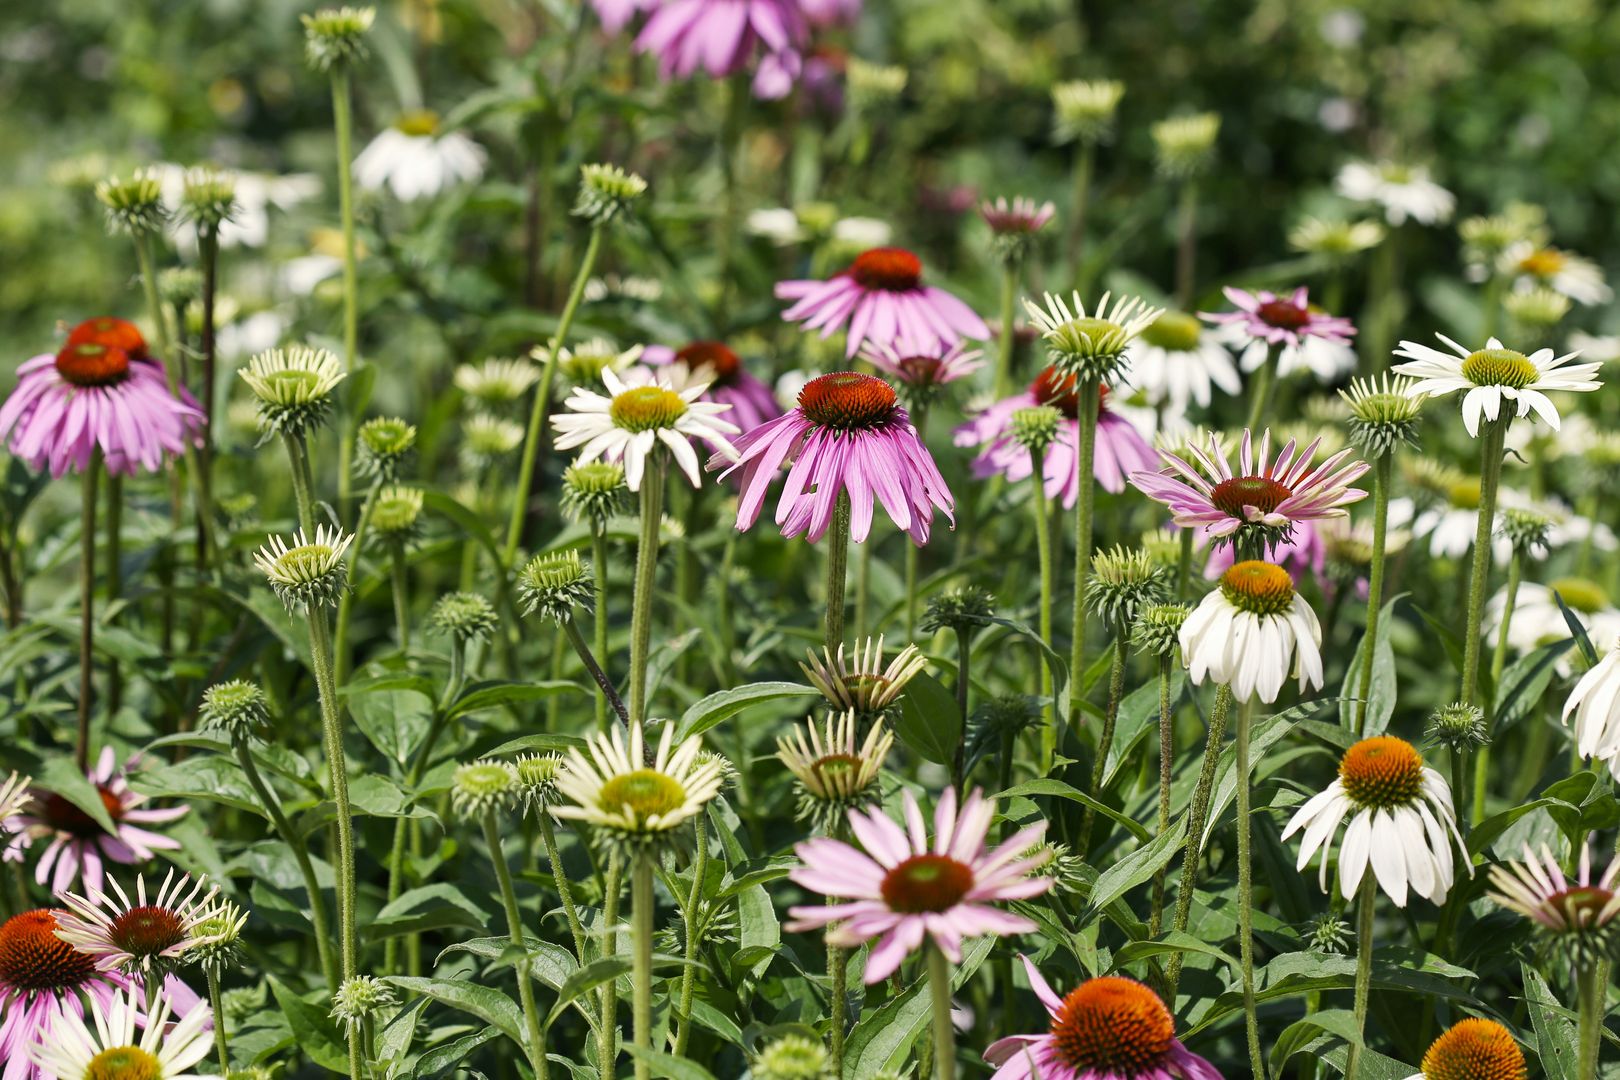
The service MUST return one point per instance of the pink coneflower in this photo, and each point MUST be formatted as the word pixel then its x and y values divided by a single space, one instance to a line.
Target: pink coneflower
pixel 1304 336
pixel 1259 496
pixel 42 979
pixel 718 36
pixel 1120 450
pixel 1582 915
pixel 818 74
pixel 144 933
pixel 1021 216
pixel 881 298
pixel 78 845
pixel 100 392
pixel 1108 1028
pixel 830 12
pixel 615 15
pixel 848 434
pixel 902 890
pixel 922 367
pixel 730 382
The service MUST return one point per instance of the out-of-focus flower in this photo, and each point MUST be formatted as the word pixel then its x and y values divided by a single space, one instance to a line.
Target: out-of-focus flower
pixel 728 379
pixel 1306 337
pixel 1085 109
pixel 1539 619
pixel 922 368
pixel 1404 191
pixel 1595 704
pixel 635 416
pixel 1173 362
pixel 1338 239
pixel 1184 145
pixel 416 160
pixel 1529 264
pixel 881 297
pixel 719 36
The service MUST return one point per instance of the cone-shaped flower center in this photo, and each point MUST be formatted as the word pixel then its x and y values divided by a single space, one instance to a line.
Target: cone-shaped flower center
pixel 1058 391
pixel 1475 1050
pixel 847 400
pixel 33 958
pixel 1544 262
pixel 1260 588
pixel 148 930
pixel 920 370
pixel 419 123
pixel 645 792
pixel 1284 314
pixel 1260 492
pixel 1113 1027
pixel 1088 339
pixel 712 354
pixel 91 364
pixel 1499 367
pixel 304 564
pixel 106 330
pixel 646 408
pixel 1464 493
pixel 1584 596
pixel 1175 331
pixel 1382 772
pixel 837 771
pixel 887 268
pixel 66 817
pixel 1582 905
pixel 124 1063
pixel 926 883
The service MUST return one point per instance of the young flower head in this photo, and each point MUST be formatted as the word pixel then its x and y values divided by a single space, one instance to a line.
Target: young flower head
pixel 556 584
pixel 1085 110
pixel 236 707
pixel 791 1057
pixel 1014 225
pixel 874 86
pixel 217 937
pixel 1107 1028
pixel 134 204
pixel 836 773
pixel 863 683
pixel 124 1042
pixel 1526 529
pixel 610 786
pixel 334 36
pixel 463 617
pixel 1459 727
pixel 415 158
pixel 1090 346
pixel 922 369
pixel 1535 312
pixel 143 935
pixel 607 192
pixel 1580 918
pixel 293 387
pixel 849 434
pixel 310 573
pixel 1252 632
pixel 360 998
pixel 384 445
pixel 1473 1049
pixel 1184 145
pixel 635 416
pixel 730 382
pixel 1158 628
pixel 497 384
pixel 395 510
pixel 1493 374
pixel 1404 191
pixel 902 889
pixel 487 440
pixel 583 364
pixel 594 491
pixel 1401 823
pixel 1305 336
pixel 1123 582
pixel 962 610
pixel 1035 427
pixel 208 198
pixel 1174 362
pixel 1595 704
pixel 537 776
pixel 483 787
pixel 1384 414
pixel 1338 239
pixel 881 297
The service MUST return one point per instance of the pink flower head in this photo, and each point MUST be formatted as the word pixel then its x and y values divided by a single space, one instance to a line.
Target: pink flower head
pixel 78 845
pixel 1120 449
pixel 102 391
pixel 900 889
pixel 615 15
pixel 1108 1028
pixel 1303 553
pixel 881 298
pixel 1280 320
pixel 1021 216
pixel 831 12
pixel 848 434
pixel 1259 496
pixel 42 979
pixel 819 73
pixel 730 381
pixel 718 36
pixel 922 367
pixel 1537 889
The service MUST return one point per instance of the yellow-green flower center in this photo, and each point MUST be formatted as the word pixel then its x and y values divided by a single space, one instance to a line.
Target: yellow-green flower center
pixel 124 1063
pixel 419 123
pixel 1543 263
pixel 1499 367
pixel 1382 772
pixel 1260 588
pixel 1464 493
pixel 1175 331
pixel 305 563
pixel 647 408
pixel 1089 338
pixel 645 793
pixel 1581 594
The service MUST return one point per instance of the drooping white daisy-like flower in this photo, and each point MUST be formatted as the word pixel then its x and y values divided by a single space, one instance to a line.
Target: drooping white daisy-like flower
pixel 860 680
pixel 1539 619
pixel 14 795
pixel 612 787
pixel 1404 191
pixel 415 160
pixel 1174 362
pixel 1489 375
pixel 1401 823
pixel 1529 264
pixel 1252 632
pixel 125 1043
pixel 835 771
pixel 1595 704
pixel 142 934
pixel 638 412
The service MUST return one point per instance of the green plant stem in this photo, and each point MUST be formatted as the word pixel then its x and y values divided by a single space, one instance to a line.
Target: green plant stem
pixel 1490 476
pixel 514 928
pixel 599 626
pixel 1010 273
pixel 320 646
pixel 341 659
pixel 837 984
pixel 913 560
pixel 607 1051
pixel 1591 990
pixel 1375 582
pixel 1167 729
pixel 964 651
pixel 1364 957
pixel 700 866
pixel 216 1002
pixel 1087 392
pixel 1197 819
pixel 1263 389
pixel 87 608
pixel 837 572
pixel 652 509
pixel 939 993
pixel 1257 1061
pixel 1184 564
pixel 208 258
pixel 603 683
pixel 1083 161
pixel 738 95
pixel 863 581
pixel 576 929
pixel 542 398
pixel 400 588
pixel 641 942
pixel 1105 739
pixel 343 131
pixel 1186 243
pixel 1043 554
pixel 303 486
pixel 1482 755
pixel 300 851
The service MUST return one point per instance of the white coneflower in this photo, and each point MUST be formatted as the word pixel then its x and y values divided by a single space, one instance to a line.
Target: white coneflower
pixel 309 572
pixel 635 416
pixel 415 159
pixel 497 382
pixel 1090 345
pixel 862 682
pixel 835 772
pixel 1492 374
pixel 143 934
pixel 1404 191
pixel 1530 264
pixel 14 795
pixel 583 364
pixel 1401 823
pixel 1337 239
pixel 163 1051
pixel 1252 632
pixel 1595 704
pixel 1085 109
pixel 1538 616
pixel 293 386
pixel 1174 362
pixel 611 787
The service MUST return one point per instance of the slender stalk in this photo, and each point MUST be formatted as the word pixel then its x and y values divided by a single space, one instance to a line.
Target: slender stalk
pixel 1167 729
pixel 599 627
pixel 1083 161
pixel 603 683
pixel 1482 756
pixel 548 838
pixel 320 644
pixel 343 131
pixel 303 486
pixel 1197 819
pixel 400 588
pixel 1490 476
pixel 1105 739
pixel 341 659
pixel 1263 389
pixel 1043 550
pixel 542 398
pixel 1087 393
pixel 607 1052
pixel 1257 1061
pixel 87 608
pixel 514 927
pixel 208 257
pixel 1186 243
pixel 1364 958
pixel 652 508
pixel 1591 989
pixel 1375 582
pixel 1184 564
pixel 1009 337
pixel 963 654
pixel 641 943
pixel 216 1003
pixel 837 572
pixel 737 97
pixel 700 866
pixel 913 559
pixel 939 993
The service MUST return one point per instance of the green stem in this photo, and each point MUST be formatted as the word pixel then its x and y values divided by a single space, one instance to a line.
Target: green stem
pixel 154 308
pixel 1043 549
pixel 1364 958
pixel 700 866
pixel 1375 583
pixel 939 992
pixel 1482 756
pixel 641 942
pixel 963 654
pixel 1197 819
pixel 514 927
pixel 837 984
pixel 1245 856
pixel 1490 476
pixel 863 581
pixel 1184 564
pixel 1083 160
pixel 216 1003
pixel 402 607
pixel 303 486
pixel 913 559
pixel 340 654
pixel 599 627
pixel 542 399
pixel 1167 728
pixel 1186 243
pixel 548 838
pixel 652 509
pixel 837 572
pixel 343 130
pixel 1591 992
pixel 603 683
pixel 1009 336
pixel 87 608
pixel 1105 739
pixel 1263 389
pixel 607 1052
pixel 320 647
pixel 737 98
pixel 1087 393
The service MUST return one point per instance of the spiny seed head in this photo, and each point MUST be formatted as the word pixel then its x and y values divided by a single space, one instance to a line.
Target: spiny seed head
pixel 1185 144
pixel 488 439
pixel 464 617
pixel 1458 727
pixel 1340 239
pixel 1085 110
pixel 1382 773
pixel 537 779
pixel 394 512
pixel 1123 581
pixel 1475 1049
pixel 606 192
pixel 134 204
pixel 1036 427
pixel 334 36
pixel 360 998
pixel 1158 628
pixel 1525 529
pixel 960 610
pixel 384 448
pixel 792 1057
pixel 1536 310
pixel 208 198
pixel 594 491
pixel 1382 415
pixel 555 584
pixel 309 573
pixel 1260 588
pixel 482 787
pixel 1008 714
pixel 874 85
pixel 1328 933
pixel 179 286
pixel 218 936
pixel 293 387
pixel 237 708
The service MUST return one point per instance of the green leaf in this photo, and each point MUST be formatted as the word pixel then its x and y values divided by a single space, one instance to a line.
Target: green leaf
pixel 1137 867
pixel 1266 731
pixel 1525 683
pixel 722 706
pixel 442 1059
pixel 586 979
pixel 394 720
pixel 1056 664
pixel 428 907
pixel 60 775
pixel 1171 942
pixel 883 1038
pixel 669 1066
pixel 487 1004
pixel 492 695
pixel 544 743
pixel 1059 789
pixel 1300 1034
pixel 929 722
pixel 313 1028
pixel 1380 704
pixel 1556 1041
pixel 1577 629
pixel 215 779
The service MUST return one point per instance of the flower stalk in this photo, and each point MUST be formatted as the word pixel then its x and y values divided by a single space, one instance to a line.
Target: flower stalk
pixel 1364 958
pixel 343 133
pixel 87 604
pixel 1490 477
pixel 1167 729
pixel 700 867
pixel 939 993
pixel 1245 854
pixel 1105 739
pixel 652 510
pixel 514 926
pixel 641 939
pixel 1197 819
pixel 1043 550
pixel 1482 756
pixel 1375 583
pixel 1087 392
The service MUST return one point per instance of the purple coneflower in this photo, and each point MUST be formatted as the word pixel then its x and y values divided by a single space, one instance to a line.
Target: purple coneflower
pixel 718 36
pixel 922 367
pixel 146 933
pixel 730 382
pixel 42 980
pixel 1582 915
pixel 849 434
pixel 902 890
pixel 1304 336
pixel 1021 215
pixel 881 298
pixel 615 15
